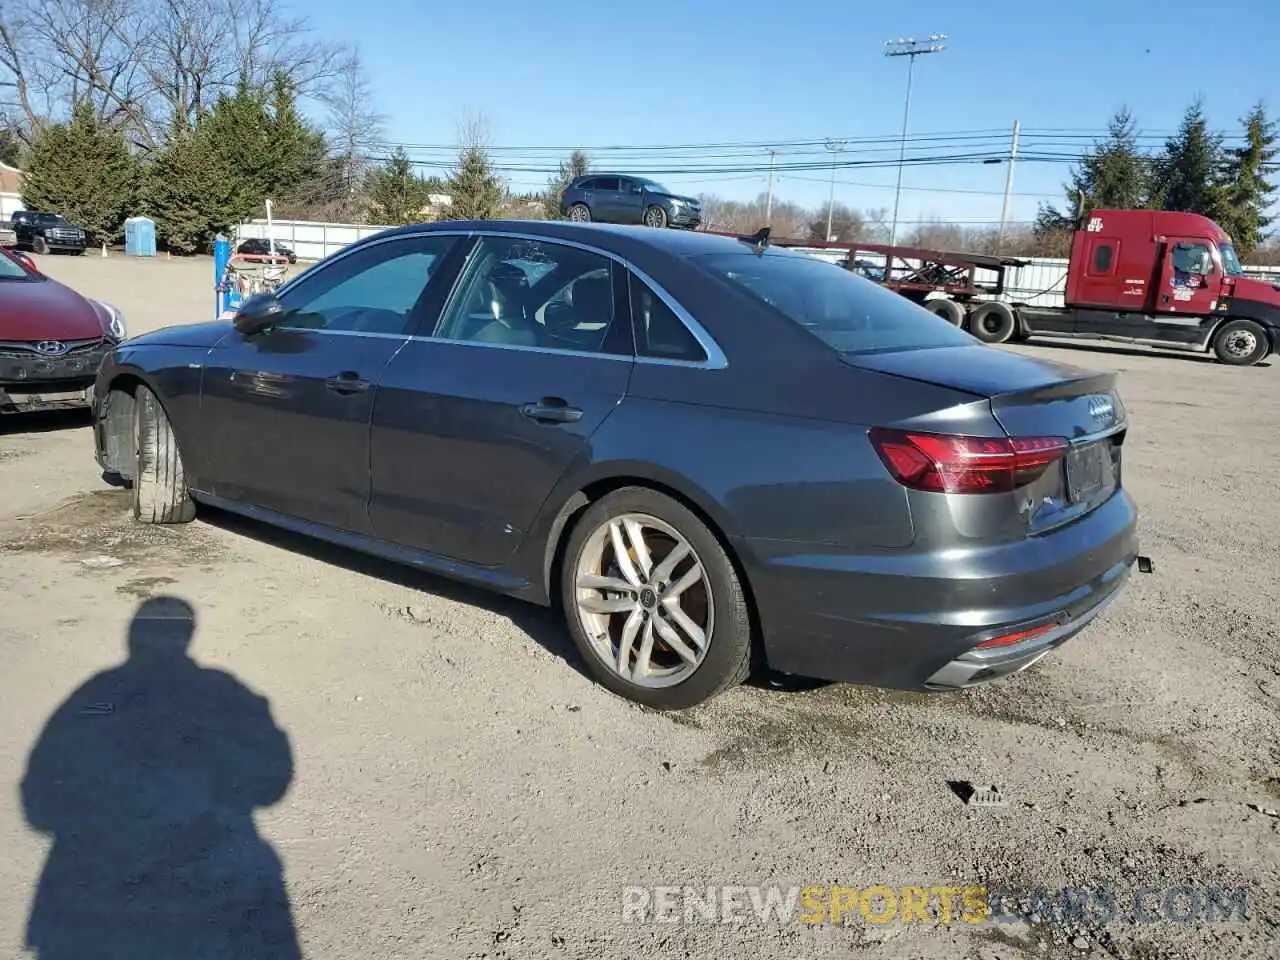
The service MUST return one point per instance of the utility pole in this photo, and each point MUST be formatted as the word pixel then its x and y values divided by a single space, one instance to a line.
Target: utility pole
pixel 835 146
pixel 1008 187
pixel 909 48
pixel 768 206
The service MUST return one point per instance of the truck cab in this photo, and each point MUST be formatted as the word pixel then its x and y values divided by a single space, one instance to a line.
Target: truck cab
pixel 1166 279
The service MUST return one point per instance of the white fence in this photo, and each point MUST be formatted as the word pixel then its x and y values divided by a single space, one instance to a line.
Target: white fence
pixel 1041 283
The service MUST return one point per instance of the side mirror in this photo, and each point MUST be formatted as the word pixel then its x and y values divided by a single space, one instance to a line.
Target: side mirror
pixel 258 313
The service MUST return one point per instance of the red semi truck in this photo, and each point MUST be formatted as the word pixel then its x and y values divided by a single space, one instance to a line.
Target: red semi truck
pixel 1138 276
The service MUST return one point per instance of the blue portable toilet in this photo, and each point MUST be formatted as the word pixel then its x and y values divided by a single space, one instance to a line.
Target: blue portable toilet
pixel 140 237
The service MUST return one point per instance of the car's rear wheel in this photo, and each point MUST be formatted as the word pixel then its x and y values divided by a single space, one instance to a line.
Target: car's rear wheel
pixel 655 216
pixel 1241 343
pixel 580 213
pixel 160 492
pixel 993 322
pixel 653 601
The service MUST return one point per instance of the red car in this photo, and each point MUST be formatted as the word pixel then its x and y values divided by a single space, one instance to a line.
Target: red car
pixel 51 338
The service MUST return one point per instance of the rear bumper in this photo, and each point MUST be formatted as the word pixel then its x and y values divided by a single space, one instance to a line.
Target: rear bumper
pixel 912 621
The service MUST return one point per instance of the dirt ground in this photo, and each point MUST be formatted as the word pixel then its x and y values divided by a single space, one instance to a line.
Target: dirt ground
pixel 452 785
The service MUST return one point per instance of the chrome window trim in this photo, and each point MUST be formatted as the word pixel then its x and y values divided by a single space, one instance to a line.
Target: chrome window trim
pixel 716 360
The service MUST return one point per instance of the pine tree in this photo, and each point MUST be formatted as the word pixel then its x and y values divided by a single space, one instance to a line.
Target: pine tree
pixel 1113 175
pixel 396 194
pixel 578 165
pixel 188 193
pixel 1246 191
pixel 477 193
pixel 1186 175
pixel 83 170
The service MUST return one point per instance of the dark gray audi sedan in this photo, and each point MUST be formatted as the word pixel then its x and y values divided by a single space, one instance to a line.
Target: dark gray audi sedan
pixel 712 453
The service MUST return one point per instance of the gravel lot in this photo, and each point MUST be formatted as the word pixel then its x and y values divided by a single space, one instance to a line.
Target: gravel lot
pixel 457 788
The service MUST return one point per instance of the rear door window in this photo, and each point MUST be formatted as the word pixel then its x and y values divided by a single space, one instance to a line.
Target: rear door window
pixel 607 183
pixel 847 312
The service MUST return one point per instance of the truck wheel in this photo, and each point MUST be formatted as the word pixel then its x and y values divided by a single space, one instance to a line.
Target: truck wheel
pixel 993 322
pixel 40 246
pixel 1241 343
pixel 948 310
pixel 159 481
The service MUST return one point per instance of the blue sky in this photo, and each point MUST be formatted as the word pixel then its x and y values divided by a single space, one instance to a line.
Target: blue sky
pixel 570 72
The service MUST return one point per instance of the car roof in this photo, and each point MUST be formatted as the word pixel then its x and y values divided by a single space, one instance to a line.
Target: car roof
pixel 613 238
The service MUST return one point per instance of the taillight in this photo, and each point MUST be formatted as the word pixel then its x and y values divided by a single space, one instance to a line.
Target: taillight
pixel 945 463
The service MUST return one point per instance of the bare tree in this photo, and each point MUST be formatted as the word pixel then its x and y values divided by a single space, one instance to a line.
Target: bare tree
pixel 149 65
pixel 356 131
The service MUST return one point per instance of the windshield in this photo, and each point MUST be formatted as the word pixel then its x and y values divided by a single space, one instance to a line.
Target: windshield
pixel 1230 262
pixel 847 312
pixel 48 218
pixel 10 270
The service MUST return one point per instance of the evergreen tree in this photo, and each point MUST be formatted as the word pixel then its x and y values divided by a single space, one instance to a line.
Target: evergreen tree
pixel 1246 191
pixel 578 165
pixel 1186 175
pixel 477 193
pixel 10 148
pixel 83 170
pixel 188 193
pixel 1113 175
pixel 396 194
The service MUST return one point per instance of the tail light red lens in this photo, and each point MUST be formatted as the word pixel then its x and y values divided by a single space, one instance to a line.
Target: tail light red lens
pixel 946 463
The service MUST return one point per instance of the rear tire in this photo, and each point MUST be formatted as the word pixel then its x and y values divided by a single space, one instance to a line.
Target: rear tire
pixel 948 310
pixel 160 492
pixel 580 213
pixel 1241 343
pixel 711 601
pixel 993 322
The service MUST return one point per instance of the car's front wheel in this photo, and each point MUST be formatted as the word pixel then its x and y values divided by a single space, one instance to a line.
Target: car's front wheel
pixel 160 492
pixel 655 216
pixel 653 601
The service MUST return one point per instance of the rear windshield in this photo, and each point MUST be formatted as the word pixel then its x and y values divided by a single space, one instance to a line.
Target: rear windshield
pixel 849 313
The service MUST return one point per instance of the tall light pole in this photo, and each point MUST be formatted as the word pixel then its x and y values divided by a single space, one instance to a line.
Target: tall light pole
pixel 835 146
pixel 1008 187
pixel 909 48
pixel 768 206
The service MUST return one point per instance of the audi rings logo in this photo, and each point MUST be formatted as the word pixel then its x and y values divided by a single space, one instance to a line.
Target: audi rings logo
pixel 51 348
pixel 1101 408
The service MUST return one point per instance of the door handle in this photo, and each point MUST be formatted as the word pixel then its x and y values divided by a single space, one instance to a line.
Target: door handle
pixel 551 410
pixel 347 382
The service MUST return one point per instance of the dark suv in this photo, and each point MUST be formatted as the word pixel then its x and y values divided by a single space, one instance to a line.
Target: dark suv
pixel 621 198
pixel 45 232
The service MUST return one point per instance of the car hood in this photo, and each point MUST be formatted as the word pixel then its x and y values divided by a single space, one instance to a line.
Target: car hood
pixel 977 369
pixel 692 201
pixel 185 335
pixel 1260 291
pixel 46 310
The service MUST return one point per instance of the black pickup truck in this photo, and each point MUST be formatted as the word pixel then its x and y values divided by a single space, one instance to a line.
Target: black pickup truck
pixel 46 232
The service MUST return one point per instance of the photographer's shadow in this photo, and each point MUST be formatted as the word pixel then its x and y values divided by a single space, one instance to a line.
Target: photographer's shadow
pixel 146 779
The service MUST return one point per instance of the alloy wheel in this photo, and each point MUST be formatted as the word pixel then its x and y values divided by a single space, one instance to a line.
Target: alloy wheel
pixel 644 600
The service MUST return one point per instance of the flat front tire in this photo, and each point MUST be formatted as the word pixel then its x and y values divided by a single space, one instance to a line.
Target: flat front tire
pixel 160 492
pixel 653 602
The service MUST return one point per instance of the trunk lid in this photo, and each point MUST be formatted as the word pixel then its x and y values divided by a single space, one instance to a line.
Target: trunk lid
pixel 1032 398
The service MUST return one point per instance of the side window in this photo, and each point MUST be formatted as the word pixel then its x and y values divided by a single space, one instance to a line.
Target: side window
pixel 661 334
pixel 606 183
pixel 626 186
pixel 1192 259
pixel 1102 258
pixel 587 184
pixel 371 291
pixel 536 293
